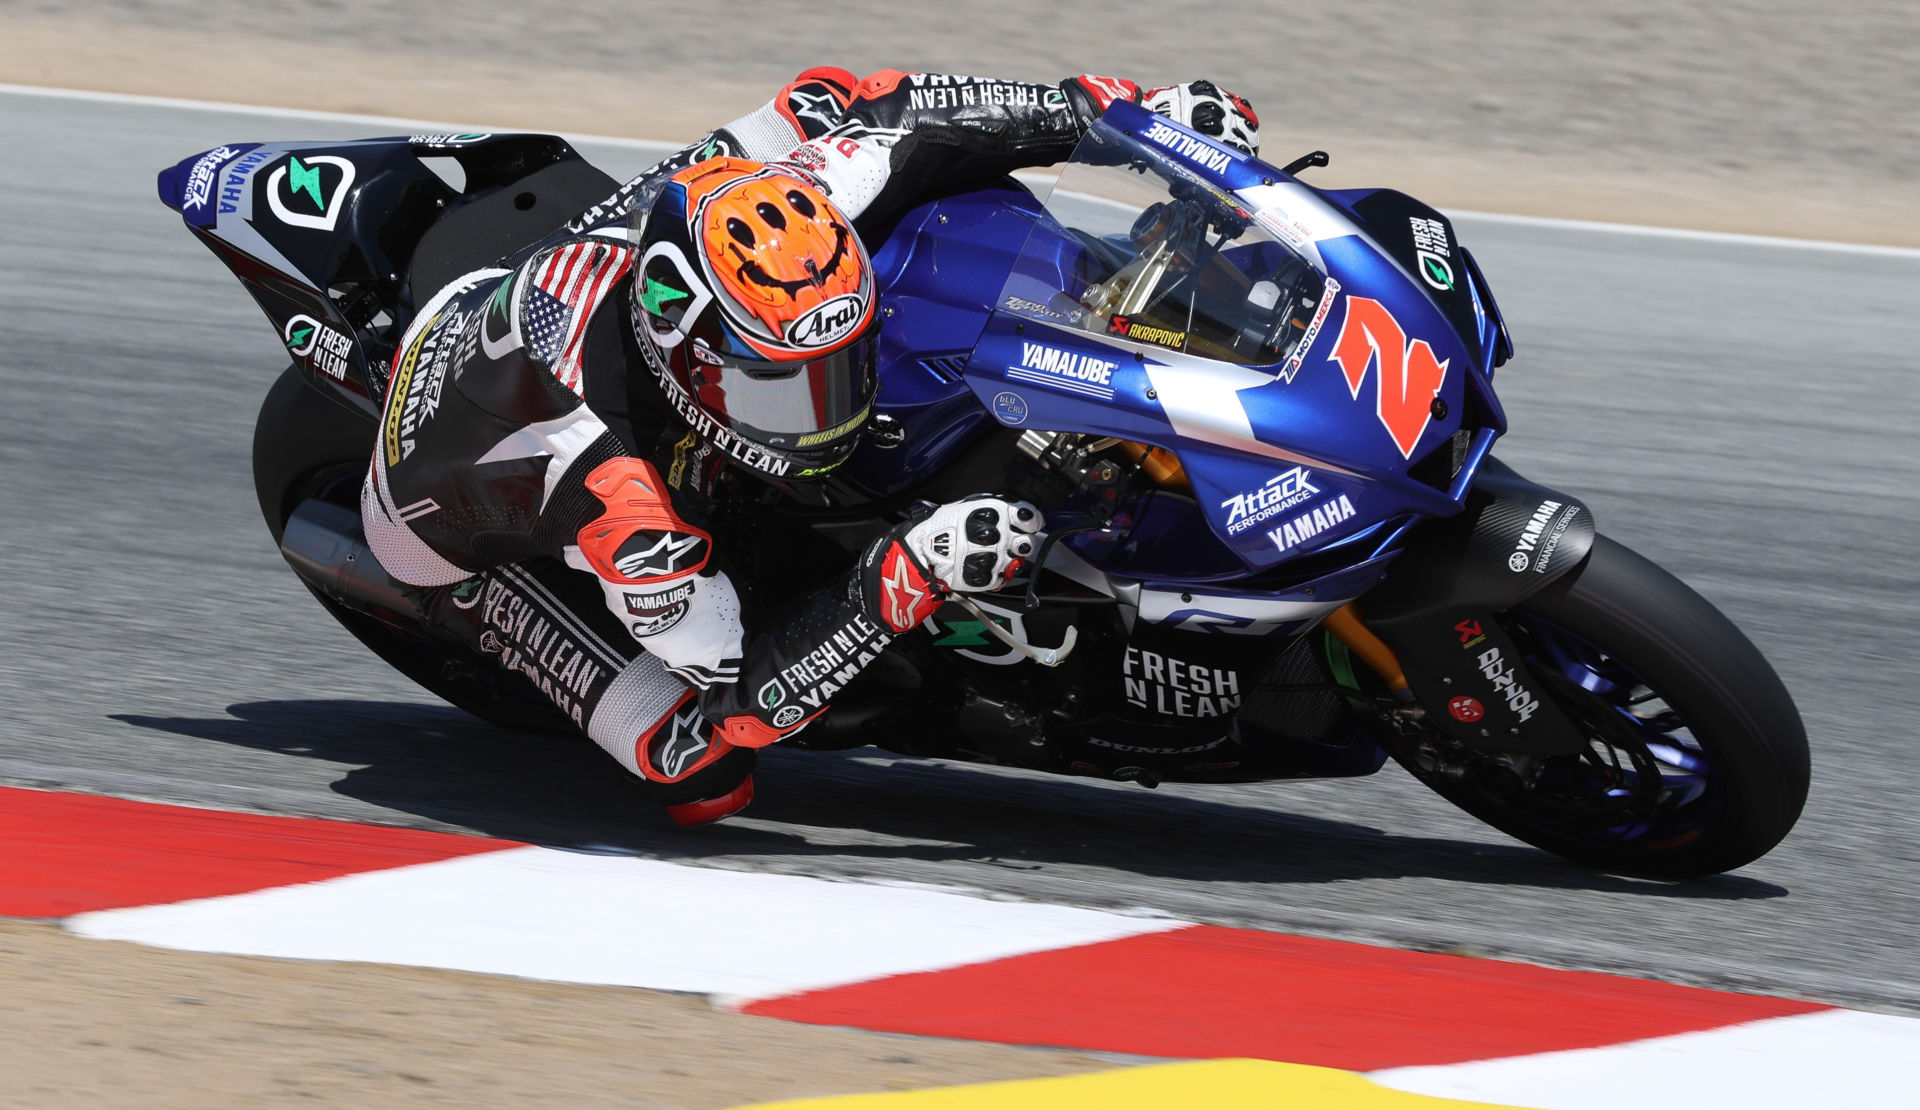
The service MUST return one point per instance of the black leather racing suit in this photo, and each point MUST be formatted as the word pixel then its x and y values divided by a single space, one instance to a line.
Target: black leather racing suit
pixel 521 415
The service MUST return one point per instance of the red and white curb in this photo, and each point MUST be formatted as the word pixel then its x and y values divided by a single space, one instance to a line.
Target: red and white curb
pixel 546 914
pixel 936 962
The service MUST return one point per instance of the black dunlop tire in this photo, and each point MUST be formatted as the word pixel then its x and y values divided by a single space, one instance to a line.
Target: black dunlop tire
pixel 299 433
pixel 1734 705
pixel 305 445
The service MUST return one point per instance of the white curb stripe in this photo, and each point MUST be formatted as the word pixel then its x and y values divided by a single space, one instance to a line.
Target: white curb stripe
pixel 662 149
pixel 539 913
pixel 1833 1060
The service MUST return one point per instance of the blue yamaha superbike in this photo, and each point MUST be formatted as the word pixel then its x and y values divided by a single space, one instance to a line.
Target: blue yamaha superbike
pixel 1260 419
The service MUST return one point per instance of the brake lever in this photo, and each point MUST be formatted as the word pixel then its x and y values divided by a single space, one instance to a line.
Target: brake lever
pixel 1031 600
pixel 1306 161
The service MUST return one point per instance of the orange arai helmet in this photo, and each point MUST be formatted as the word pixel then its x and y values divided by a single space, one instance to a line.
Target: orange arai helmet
pixel 754 305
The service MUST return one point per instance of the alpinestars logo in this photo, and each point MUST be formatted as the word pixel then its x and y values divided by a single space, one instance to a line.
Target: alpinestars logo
pixel 1409 376
pixel 822 108
pixel 903 591
pixel 648 554
pixel 685 742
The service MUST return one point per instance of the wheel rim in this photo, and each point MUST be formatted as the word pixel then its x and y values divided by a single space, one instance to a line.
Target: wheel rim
pixel 1645 780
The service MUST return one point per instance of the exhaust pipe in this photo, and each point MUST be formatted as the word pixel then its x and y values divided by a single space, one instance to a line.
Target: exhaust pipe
pixel 325 544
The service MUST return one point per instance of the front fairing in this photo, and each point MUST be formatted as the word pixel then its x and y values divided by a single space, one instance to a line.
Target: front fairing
pixel 1365 411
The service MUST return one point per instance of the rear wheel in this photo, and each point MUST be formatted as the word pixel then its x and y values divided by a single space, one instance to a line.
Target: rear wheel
pixel 1696 759
pixel 304 447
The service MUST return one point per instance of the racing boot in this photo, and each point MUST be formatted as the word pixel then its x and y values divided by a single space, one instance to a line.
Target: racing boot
pixel 690 769
pixel 687 815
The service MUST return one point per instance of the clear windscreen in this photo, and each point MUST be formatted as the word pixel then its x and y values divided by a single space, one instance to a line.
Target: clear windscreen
pixel 1138 247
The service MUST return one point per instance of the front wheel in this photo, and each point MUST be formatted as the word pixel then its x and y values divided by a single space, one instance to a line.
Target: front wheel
pixel 1696 760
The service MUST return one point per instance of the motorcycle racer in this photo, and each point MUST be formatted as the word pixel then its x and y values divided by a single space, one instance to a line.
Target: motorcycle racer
pixel 715 316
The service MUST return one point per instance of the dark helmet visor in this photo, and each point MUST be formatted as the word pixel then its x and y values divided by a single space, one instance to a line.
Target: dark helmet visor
pixel 795 407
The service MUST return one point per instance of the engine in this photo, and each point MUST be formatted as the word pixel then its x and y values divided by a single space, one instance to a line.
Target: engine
pixel 1135 700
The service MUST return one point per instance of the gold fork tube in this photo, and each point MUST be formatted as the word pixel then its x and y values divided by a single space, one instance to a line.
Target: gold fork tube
pixel 1344 623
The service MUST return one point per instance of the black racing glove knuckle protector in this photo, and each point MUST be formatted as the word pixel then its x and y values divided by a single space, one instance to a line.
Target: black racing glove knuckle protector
pixel 983 526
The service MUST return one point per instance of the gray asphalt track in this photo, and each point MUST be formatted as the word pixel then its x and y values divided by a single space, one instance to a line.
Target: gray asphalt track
pixel 1741 413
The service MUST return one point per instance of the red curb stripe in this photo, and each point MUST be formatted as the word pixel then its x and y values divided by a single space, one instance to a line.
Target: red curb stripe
pixel 1207 992
pixel 62 854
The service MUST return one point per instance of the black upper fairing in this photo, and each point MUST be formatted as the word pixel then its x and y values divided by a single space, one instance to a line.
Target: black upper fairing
pixel 339 241
pixel 1421 239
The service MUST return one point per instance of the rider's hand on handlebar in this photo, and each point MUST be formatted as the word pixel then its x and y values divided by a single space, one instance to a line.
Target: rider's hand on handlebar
pixel 977 544
pixel 1208 109
pixel 970 546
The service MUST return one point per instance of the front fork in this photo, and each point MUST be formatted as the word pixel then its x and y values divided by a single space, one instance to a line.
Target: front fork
pixel 1346 627
pixel 1465 671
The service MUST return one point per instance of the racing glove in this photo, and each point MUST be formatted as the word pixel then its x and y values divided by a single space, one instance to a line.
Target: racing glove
pixel 1208 109
pixel 1201 105
pixel 974 545
pixel 1089 94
